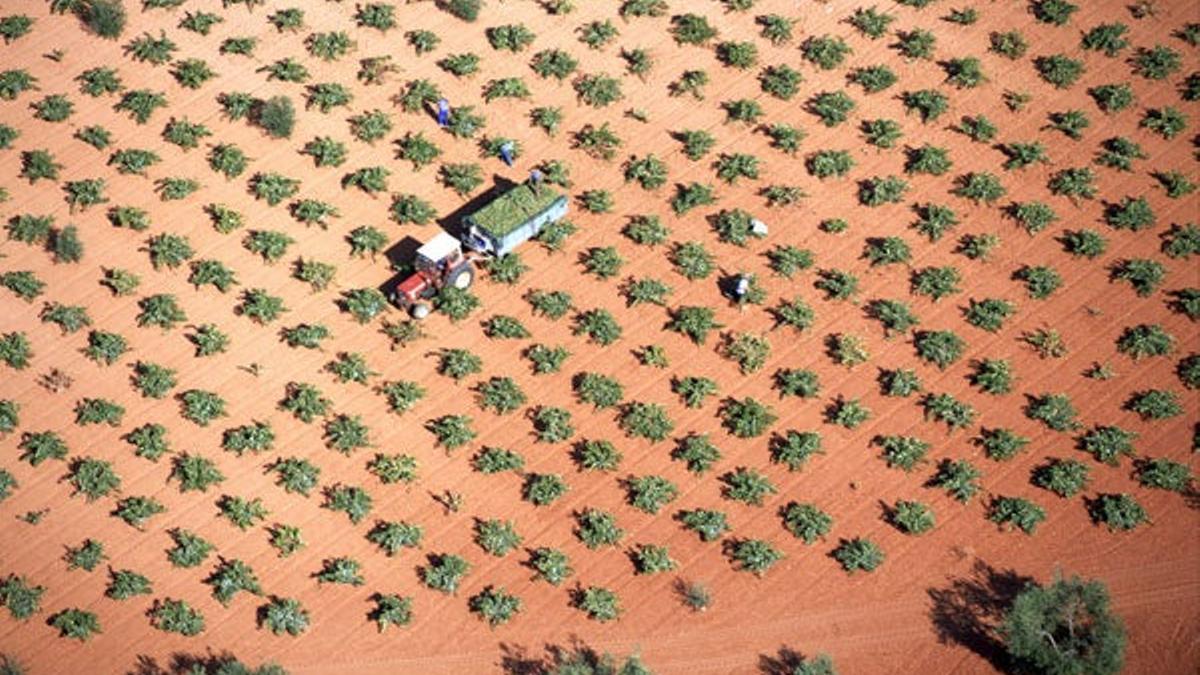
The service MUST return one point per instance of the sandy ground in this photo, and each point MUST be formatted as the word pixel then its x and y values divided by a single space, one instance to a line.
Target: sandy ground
pixel 902 618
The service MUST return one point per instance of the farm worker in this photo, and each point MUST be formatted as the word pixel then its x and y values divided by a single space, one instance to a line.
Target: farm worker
pixel 741 287
pixel 443 113
pixel 758 228
pixel 535 179
pixel 506 152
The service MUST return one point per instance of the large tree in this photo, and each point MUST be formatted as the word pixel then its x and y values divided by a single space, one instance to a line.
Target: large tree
pixel 1064 628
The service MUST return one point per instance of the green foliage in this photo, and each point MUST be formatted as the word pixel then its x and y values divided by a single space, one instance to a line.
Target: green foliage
pixel 1053 410
pixel 497 460
pixel 905 452
pixel 650 493
pixel 708 524
pixel 871 22
pixel 597 90
pixel 1143 274
pixel 646 420
pixel 754 555
pixel 76 623
pixel 694 390
pixel 1145 340
pixel 1072 123
pixel 1119 512
pixel 340 571
pixel 833 108
pixel 90 411
pixel 284 615
pixel 858 553
pixel 243 513
pixel 747 486
pixel 747 417
pixel 945 408
pixel 38 165
pixel 1111 98
pixel 149 441
pixel 411 209
pixel 911 517
pixel 1040 281
pixel 601 391
pixel 231 577
pixel 599 325
pixel 1166 121
pixel 1063 477
pixel 749 350
pixel 392 537
pixel 1159 473
pixel 38 447
pixel 209 340
pixel 806 522
pixel 543 489
pixel 1010 512
pixel 365 304
pixel 901 382
pixel 352 500
pixel 458 363
pixel 444 572
pixel 14 82
pixel 84 194
pixel 15 350
pixel 599 603
pixel 780 81
pixel 495 606
pixel 87 556
pixel 452 431
pixel 880 190
pixel 596 528
pixel 190 550
pixel 22 599
pixel 992 376
pixel 1075 613
pixel 93 478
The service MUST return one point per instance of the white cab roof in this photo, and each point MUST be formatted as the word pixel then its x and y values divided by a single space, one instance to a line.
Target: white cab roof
pixel 439 247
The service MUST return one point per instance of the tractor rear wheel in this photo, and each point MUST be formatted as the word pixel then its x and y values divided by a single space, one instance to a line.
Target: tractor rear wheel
pixel 462 277
pixel 419 310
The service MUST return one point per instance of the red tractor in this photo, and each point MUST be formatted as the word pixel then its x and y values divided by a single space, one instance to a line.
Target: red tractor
pixel 440 262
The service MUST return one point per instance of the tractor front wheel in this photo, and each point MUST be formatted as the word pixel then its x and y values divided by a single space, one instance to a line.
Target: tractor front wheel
pixel 419 310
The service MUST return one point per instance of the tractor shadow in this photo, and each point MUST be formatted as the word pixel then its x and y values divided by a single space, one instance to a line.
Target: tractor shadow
pixel 968 612
pixel 452 222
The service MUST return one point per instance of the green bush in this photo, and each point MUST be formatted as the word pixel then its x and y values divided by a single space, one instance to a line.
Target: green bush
pixel 858 554
pixel 650 493
pixel 1119 512
pixel 392 537
pixel 76 623
pixel 833 108
pixel 600 604
pixel 352 500
pixel 911 517
pixel 1014 512
pixel 938 347
pixel 190 550
pixel 1063 477
pixel 754 555
pixel 596 528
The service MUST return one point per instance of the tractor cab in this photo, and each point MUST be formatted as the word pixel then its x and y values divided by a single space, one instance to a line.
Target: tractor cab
pixel 440 262
pixel 439 254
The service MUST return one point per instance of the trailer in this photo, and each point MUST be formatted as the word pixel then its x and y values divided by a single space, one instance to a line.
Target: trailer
pixel 513 218
pixel 494 230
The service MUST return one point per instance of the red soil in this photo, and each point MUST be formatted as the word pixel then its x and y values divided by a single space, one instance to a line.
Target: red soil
pixel 878 622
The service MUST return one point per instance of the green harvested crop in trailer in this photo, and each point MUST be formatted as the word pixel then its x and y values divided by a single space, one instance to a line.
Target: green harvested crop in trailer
pixel 513 208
